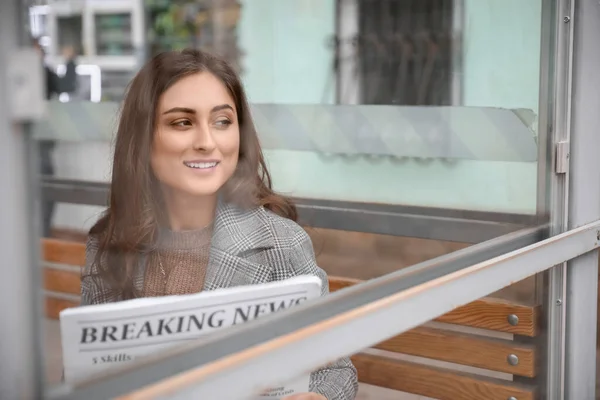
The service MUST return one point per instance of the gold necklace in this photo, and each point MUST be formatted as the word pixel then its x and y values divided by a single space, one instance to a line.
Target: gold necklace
pixel 162 272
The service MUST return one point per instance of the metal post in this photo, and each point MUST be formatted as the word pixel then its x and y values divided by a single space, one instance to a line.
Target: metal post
pixel 458 27
pixel 552 200
pixel 584 202
pixel 21 375
pixel 347 29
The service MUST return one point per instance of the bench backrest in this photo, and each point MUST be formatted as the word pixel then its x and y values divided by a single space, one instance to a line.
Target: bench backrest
pixel 512 354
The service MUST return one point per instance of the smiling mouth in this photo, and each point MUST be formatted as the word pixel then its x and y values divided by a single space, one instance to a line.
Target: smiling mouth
pixel 201 165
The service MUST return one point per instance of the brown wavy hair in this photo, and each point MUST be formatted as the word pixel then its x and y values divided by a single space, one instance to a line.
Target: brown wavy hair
pixel 128 228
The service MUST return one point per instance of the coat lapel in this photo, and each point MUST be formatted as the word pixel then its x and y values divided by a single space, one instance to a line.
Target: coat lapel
pixel 238 234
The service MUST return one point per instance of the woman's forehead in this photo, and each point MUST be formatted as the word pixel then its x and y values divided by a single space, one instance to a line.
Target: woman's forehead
pixel 200 91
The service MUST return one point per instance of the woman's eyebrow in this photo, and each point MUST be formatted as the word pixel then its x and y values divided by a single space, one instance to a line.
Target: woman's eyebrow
pixel 221 107
pixel 192 111
pixel 180 110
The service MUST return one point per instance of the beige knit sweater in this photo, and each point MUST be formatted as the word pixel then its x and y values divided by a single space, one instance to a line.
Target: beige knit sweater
pixel 184 258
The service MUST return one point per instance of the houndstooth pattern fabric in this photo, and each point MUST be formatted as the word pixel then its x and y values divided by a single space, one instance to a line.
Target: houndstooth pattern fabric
pixel 250 247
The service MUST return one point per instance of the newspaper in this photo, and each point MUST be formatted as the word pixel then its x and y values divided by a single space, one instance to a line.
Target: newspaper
pixel 98 337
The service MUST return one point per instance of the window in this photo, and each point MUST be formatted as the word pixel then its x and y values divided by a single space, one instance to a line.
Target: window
pixel 404 52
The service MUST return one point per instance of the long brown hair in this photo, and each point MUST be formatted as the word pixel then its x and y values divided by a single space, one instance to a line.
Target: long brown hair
pixel 128 228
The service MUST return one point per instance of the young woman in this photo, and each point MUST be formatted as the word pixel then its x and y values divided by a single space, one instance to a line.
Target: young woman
pixel 191 206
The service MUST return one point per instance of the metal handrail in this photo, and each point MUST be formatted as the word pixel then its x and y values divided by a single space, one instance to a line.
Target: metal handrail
pixel 467 226
pixel 342 312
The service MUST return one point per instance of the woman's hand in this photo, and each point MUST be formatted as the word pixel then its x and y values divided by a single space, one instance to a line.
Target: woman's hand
pixel 305 396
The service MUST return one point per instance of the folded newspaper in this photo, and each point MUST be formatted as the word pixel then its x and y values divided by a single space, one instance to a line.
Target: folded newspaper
pixel 98 337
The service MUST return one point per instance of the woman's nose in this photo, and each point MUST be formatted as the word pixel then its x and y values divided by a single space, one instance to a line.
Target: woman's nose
pixel 203 139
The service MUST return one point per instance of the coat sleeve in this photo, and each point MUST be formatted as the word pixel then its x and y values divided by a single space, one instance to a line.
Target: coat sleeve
pixel 93 289
pixel 338 380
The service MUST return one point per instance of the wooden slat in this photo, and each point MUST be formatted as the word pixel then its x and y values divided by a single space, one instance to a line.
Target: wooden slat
pixel 71 235
pixel 63 252
pixel 62 281
pixel 59 280
pixel 436 344
pixel 484 313
pixel 54 306
pixel 438 383
pixel 493 314
pixel 338 283
pixel 465 349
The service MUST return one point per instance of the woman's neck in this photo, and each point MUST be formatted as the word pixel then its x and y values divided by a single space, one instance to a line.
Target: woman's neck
pixel 189 212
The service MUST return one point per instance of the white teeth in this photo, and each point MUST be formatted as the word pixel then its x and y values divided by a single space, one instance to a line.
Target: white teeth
pixel 201 165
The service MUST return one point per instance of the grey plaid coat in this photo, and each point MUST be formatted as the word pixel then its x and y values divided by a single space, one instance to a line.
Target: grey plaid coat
pixel 251 247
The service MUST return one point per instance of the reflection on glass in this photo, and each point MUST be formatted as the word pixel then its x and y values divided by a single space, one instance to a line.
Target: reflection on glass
pixel 69 31
pixel 429 104
pixel 294 56
pixel 405 51
pixel 210 25
pixel 113 34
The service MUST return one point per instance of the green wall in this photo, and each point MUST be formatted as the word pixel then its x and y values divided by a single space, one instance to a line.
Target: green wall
pixel 287 62
pixel 501 53
pixel 286 58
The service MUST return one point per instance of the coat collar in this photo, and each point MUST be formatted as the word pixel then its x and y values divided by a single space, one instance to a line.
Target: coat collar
pixel 238 230
pixel 237 233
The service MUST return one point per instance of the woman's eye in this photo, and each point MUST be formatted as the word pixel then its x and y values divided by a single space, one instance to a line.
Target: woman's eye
pixel 223 123
pixel 181 123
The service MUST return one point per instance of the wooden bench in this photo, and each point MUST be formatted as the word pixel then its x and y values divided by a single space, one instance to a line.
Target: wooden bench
pixel 514 354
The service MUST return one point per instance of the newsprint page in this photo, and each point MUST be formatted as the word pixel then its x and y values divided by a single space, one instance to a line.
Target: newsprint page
pixel 98 337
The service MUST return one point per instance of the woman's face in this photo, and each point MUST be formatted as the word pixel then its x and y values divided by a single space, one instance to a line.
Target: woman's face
pixel 197 139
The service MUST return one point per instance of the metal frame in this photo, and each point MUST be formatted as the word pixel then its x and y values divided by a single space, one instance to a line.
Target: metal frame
pixel 420 222
pixel 584 201
pixel 570 199
pixel 570 196
pixel 277 344
pixel 552 190
pixel 21 368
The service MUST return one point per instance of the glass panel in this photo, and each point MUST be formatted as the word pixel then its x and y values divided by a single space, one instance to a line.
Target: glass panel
pixel 404 130
pixel 432 157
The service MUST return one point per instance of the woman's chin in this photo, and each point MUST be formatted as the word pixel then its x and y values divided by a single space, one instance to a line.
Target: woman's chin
pixel 202 187
pixel 204 191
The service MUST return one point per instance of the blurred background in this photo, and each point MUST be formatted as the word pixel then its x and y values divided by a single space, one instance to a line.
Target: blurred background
pixel 323 77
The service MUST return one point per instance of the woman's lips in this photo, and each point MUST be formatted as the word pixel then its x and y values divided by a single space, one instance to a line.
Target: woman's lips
pixel 201 165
